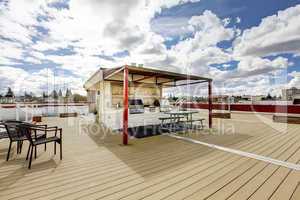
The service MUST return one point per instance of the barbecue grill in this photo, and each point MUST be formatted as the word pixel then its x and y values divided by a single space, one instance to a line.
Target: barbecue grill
pixel 136 106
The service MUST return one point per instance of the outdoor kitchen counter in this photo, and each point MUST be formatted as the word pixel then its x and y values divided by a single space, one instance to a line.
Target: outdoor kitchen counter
pixel 113 118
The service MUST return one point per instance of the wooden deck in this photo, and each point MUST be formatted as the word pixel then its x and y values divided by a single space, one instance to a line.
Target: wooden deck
pixel 96 166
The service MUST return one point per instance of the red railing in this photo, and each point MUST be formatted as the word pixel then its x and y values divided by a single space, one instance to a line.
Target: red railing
pixel 295 109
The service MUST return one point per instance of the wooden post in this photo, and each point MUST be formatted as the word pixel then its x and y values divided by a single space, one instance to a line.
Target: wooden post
pixel 125 105
pixel 210 104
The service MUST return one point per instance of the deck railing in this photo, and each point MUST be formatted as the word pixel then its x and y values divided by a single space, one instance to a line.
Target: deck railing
pixel 292 109
pixel 27 111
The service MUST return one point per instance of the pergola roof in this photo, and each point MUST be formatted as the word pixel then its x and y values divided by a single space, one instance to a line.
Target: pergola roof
pixel 146 75
pixel 154 72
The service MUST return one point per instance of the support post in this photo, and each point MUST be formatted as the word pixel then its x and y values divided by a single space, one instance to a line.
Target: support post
pixel 17 112
pixel 125 105
pixel 210 103
pixel 26 112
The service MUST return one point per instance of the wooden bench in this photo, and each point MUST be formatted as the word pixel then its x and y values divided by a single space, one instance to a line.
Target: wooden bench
pixel 286 119
pixel 171 125
pixel 170 118
pixel 64 115
pixel 221 115
pixel 195 120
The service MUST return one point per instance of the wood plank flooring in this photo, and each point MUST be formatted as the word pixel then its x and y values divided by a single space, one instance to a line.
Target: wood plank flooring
pixel 96 166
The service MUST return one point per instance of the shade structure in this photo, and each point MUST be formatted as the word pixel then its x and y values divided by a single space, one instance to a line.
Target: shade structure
pixel 132 76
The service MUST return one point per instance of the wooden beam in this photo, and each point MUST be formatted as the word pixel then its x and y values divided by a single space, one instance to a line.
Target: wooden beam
pixel 114 73
pixel 157 83
pixel 113 80
pixel 144 78
pixel 193 83
pixel 140 70
pixel 171 80
pixel 135 81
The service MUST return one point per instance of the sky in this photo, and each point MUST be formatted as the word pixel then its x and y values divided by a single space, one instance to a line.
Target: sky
pixel 247 47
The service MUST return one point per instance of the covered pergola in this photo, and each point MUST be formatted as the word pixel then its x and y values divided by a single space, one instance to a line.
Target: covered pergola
pixel 133 75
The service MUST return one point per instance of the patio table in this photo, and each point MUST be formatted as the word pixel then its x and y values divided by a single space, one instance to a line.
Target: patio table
pixel 185 113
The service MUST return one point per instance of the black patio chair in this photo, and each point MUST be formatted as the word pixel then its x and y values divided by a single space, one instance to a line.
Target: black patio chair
pixel 31 134
pixel 15 135
pixel 3 132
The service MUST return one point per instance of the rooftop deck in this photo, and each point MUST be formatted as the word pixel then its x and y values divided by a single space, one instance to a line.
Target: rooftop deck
pixel 96 166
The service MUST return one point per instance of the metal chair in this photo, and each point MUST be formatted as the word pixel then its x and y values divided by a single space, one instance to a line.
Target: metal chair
pixel 31 134
pixel 3 132
pixel 15 135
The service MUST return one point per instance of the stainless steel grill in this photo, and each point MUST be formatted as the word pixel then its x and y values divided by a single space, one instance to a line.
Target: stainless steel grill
pixel 136 106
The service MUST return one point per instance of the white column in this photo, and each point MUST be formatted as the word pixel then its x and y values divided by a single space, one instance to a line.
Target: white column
pixel 26 113
pixel 17 112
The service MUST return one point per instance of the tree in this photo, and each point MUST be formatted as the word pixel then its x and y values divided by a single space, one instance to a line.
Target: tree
pixel 54 94
pixel 79 98
pixel 9 93
pixel 269 97
pixel 45 95
pixel 27 96
pixel 68 93
pixel 60 93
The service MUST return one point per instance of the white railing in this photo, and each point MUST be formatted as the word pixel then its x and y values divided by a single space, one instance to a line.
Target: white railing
pixel 27 111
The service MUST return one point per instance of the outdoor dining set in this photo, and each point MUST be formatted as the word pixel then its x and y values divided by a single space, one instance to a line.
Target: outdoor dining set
pixel 178 120
pixel 19 132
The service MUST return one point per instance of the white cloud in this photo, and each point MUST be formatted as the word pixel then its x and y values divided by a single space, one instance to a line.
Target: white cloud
pixel 255 65
pixel 201 50
pixel 295 81
pixel 36 82
pixel 251 67
pixel 32 60
pixel 171 26
pixel 12 49
pixel 91 27
pixel 275 35
pixel 96 30
pixel 9 79
pixel 204 26
pixel 78 64
pixel 200 59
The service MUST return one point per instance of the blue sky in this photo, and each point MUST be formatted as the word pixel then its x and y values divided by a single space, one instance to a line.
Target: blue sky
pixel 248 47
pixel 250 12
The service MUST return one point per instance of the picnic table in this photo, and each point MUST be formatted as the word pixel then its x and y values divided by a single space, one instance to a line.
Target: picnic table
pixel 176 116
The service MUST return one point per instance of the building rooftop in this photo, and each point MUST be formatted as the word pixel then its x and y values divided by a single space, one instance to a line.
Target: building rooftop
pixel 96 166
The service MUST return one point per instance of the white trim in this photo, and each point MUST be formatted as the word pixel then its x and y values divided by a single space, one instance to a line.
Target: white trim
pixel 241 153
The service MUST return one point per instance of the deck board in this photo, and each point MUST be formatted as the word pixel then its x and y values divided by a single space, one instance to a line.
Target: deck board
pixel 255 179
pixel 296 193
pixel 159 167
pixel 288 186
pixel 204 192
